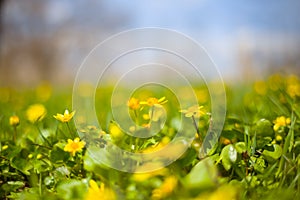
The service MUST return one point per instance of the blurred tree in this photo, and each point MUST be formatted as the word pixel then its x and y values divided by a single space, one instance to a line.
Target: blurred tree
pixel 42 39
pixel 1 18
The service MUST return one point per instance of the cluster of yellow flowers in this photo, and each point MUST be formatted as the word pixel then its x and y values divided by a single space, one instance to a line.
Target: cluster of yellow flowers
pixel 293 86
pixel 37 112
pixel 290 84
pixel 135 104
pixel 281 121
pixel 75 145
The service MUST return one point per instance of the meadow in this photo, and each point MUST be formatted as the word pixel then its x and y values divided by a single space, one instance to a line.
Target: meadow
pixel 44 155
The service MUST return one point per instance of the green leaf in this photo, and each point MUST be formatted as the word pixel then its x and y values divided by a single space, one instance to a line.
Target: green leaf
pixel 261 142
pixel 72 189
pixel 41 165
pixel 273 155
pixel 61 172
pixel 202 176
pixel 240 147
pixel 188 158
pixel 258 164
pixel 12 186
pixel 57 155
pixel 228 156
pixel 264 128
pixel 93 164
pixel 21 164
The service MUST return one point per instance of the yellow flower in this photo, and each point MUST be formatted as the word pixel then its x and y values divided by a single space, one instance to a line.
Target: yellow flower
pixel 115 131
pixel 166 188
pixel 275 82
pixel 278 138
pixel 102 193
pixel 14 120
pixel 225 192
pixel 74 146
pixel 293 86
pixel 260 87
pixel 293 90
pixel 281 122
pixel 193 111
pixel 39 156
pixel 66 117
pixel 4 147
pixel 36 112
pixel 133 103
pixel 152 101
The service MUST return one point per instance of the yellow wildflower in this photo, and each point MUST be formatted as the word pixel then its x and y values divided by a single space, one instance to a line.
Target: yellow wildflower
pixel 260 87
pixel 275 82
pixel 225 192
pixel 152 101
pixel 293 90
pixel 115 131
pixel 278 138
pixel 39 156
pixel 166 188
pixel 102 193
pixel 66 117
pixel 14 120
pixel 4 147
pixel 281 122
pixel 293 86
pixel 194 111
pixel 225 141
pixel 36 113
pixel 74 146
pixel 133 103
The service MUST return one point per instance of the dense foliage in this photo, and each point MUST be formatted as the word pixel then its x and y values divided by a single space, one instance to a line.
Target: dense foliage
pixel 44 155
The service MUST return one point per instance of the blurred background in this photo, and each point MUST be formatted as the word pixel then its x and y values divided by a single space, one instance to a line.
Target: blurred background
pixel 48 39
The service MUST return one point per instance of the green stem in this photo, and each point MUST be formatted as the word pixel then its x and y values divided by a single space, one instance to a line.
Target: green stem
pixel 136 119
pixel 196 127
pixel 136 147
pixel 41 146
pixel 15 133
pixel 152 111
pixel 137 140
pixel 287 145
pixel 40 184
pixel 43 137
pixel 72 135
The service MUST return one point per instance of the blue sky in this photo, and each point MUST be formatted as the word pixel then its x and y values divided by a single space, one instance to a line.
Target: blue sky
pixel 219 26
pixel 222 15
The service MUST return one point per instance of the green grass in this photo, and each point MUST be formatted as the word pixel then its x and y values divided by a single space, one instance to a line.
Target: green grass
pixel 252 159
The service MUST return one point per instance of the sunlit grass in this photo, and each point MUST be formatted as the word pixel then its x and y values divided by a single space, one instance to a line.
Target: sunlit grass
pixel 44 155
